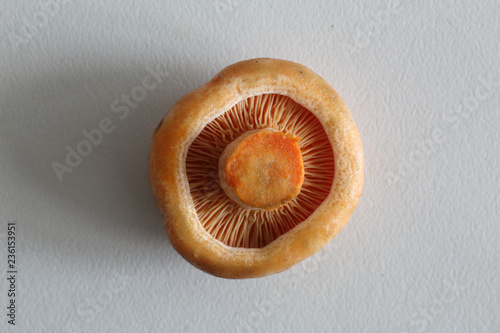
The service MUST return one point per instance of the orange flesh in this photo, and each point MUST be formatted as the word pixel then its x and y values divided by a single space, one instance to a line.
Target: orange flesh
pixel 265 170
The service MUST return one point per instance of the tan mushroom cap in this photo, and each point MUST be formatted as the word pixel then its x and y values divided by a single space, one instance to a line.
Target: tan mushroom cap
pixel 187 119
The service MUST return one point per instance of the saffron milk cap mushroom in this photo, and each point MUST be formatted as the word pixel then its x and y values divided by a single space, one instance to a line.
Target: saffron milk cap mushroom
pixel 257 169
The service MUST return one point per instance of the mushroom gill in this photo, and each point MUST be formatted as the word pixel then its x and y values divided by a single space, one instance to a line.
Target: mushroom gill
pixel 238 225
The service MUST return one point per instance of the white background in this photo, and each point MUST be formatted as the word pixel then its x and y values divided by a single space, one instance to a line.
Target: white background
pixel 421 252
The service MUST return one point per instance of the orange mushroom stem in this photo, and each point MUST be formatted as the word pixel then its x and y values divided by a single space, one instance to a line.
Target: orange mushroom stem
pixel 262 169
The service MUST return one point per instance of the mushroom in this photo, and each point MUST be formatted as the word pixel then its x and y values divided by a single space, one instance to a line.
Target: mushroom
pixel 257 169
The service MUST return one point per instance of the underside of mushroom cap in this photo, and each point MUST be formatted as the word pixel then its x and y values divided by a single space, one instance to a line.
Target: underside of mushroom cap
pixel 221 211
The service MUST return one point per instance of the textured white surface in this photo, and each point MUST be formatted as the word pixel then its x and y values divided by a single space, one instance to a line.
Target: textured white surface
pixel 421 252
